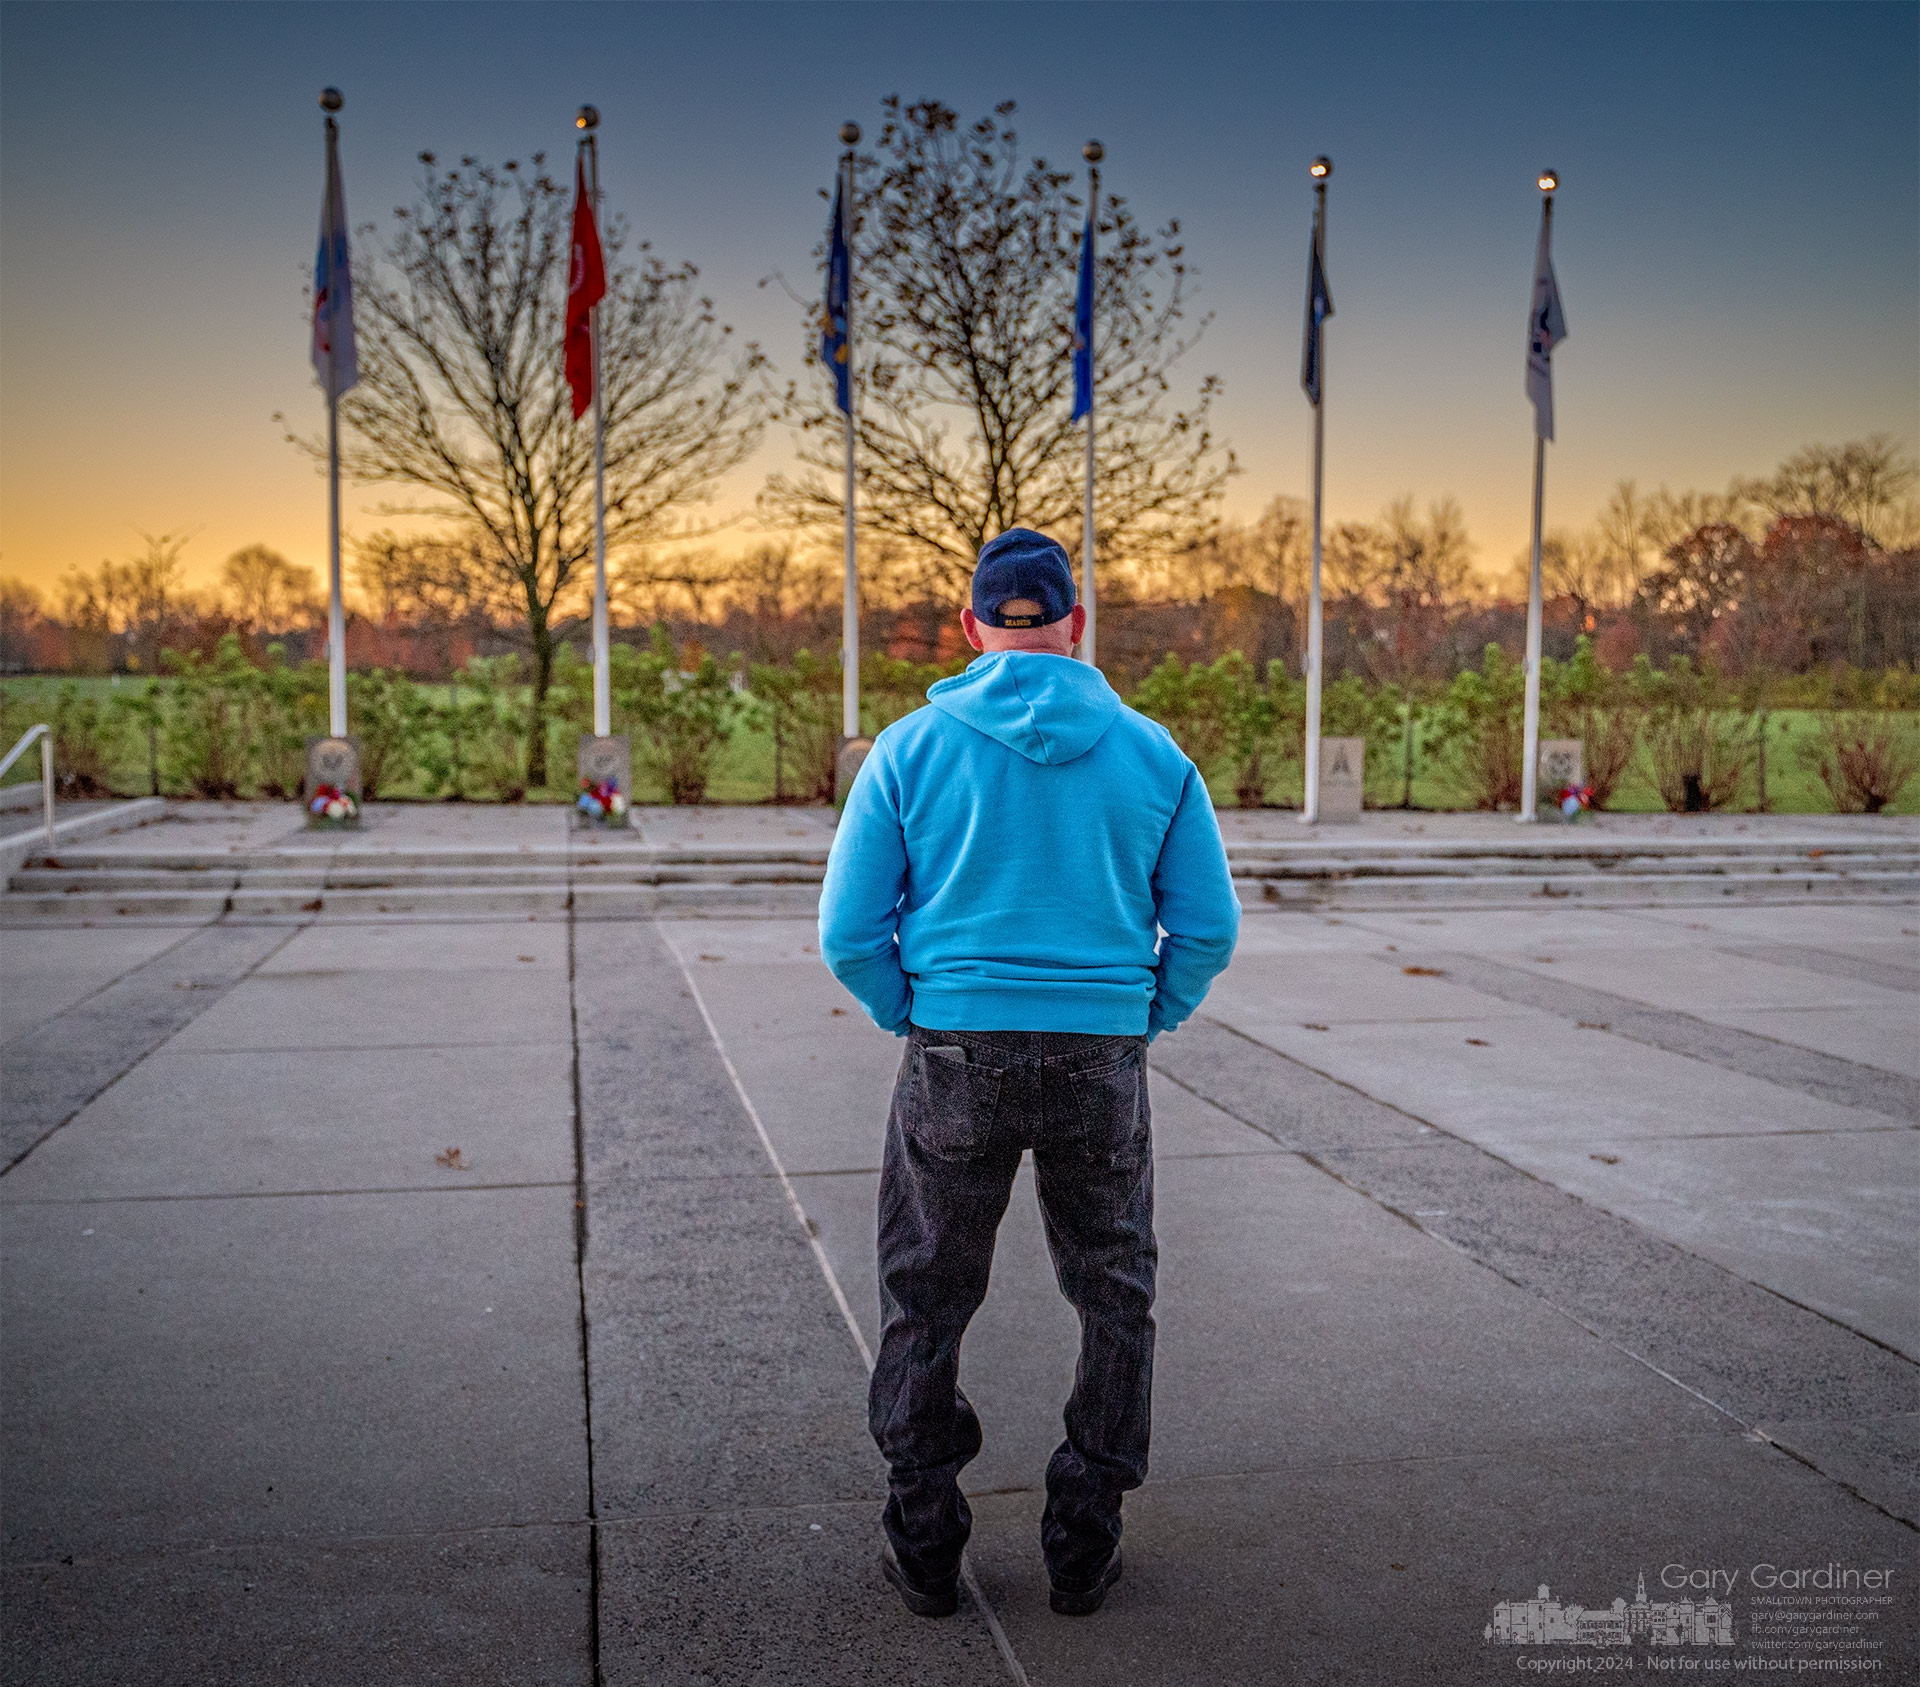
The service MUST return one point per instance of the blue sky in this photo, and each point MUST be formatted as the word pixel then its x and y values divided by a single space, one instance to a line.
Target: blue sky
pixel 1737 235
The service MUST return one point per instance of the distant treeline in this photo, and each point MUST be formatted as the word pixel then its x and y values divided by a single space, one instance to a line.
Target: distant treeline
pixel 1812 568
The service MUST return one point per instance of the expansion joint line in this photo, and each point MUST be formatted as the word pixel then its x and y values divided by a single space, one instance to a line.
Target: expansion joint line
pixel 580 1287
pixel 812 1233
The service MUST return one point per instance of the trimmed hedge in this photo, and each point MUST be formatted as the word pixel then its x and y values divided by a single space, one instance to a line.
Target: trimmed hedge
pixel 710 729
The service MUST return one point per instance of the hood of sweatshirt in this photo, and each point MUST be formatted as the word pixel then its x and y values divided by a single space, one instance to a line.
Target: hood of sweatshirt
pixel 1051 709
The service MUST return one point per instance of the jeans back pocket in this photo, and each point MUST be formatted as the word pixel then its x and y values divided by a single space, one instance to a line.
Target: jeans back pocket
pixel 951 1101
pixel 1111 1100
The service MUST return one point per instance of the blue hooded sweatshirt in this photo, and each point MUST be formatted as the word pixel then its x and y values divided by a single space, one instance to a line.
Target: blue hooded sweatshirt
pixel 1023 840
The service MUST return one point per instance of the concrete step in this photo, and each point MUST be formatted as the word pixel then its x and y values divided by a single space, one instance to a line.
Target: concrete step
pixel 1327 866
pixel 69 908
pixel 1592 847
pixel 614 877
pixel 1622 890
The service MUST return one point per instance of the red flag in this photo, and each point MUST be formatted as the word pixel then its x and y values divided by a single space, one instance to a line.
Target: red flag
pixel 586 287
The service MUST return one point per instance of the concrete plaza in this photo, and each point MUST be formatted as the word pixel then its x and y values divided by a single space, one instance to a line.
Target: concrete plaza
pixel 485 1299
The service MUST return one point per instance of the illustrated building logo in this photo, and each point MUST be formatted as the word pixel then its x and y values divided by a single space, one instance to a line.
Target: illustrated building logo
pixel 1545 1621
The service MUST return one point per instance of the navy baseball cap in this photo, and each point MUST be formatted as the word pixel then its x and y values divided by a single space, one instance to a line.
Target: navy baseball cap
pixel 1022 564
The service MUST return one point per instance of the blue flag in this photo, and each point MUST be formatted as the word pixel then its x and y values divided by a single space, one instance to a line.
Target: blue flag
pixel 335 359
pixel 1319 308
pixel 836 346
pixel 1083 329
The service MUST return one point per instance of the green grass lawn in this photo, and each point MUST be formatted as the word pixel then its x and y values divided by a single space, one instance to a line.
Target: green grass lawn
pixel 743 770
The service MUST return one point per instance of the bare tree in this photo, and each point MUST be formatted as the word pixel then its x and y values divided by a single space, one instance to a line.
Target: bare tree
pixel 143 598
pixel 1422 571
pixel 265 592
pixel 463 397
pixel 1624 544
pixel 652 584
pixel 1582 568
pixel 1671 516
pixel 965 266
pixel 1865 483
pixel 443 581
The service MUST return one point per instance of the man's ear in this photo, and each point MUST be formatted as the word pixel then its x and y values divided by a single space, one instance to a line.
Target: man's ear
pixel 1079 621
pixel 970 625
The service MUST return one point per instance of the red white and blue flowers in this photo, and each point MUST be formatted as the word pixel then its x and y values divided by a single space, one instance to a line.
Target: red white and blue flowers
pixel 329 802
pixel 601 802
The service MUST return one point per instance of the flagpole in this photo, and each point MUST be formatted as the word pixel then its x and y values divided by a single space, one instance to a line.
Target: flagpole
pixel 1320 170
pixel 588 120
pixel 331 102
pixel 1530 735
pixel 850 598
pixel 1093 152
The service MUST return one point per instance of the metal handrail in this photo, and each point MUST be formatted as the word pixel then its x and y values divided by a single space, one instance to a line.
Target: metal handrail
pixel 44 733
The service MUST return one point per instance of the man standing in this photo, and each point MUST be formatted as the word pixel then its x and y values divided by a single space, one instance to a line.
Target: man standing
pixel 1005 862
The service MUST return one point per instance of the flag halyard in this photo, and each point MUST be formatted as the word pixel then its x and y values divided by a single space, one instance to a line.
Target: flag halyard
pixel 586 287
pixel 335 357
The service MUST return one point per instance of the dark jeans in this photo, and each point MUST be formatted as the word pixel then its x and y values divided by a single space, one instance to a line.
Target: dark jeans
pixel 954 1139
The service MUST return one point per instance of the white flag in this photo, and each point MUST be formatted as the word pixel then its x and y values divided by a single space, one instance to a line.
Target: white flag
pixel 1546 328
pixel 334 358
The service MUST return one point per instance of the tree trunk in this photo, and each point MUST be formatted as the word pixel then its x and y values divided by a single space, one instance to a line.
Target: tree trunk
pixel 537 714
pixel 1406 788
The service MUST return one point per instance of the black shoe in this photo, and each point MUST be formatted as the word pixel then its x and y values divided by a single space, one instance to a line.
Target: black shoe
pixel 1083 1602
pixel 921 1601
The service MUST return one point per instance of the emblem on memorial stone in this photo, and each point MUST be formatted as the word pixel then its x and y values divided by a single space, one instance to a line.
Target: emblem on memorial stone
pixel 1343 765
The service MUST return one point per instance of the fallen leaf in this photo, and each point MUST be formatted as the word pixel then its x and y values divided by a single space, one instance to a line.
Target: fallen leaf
pixel 1423 972
pixel 1396 1566
pixel 1594 1025
pixel 1392 948
pixel 523 957
pixel 1480 1042
pixel 453 1160
pixel 1545 960
pixel 1606 1159
pixel 1815 854
pixel 312 907
pixel 839 1013
pixel 1313 1027
pixel 709 957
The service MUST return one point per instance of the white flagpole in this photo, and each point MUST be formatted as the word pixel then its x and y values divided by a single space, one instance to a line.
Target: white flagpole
pixel 1530 749
pixel 1093 152
pixel 1530 735
pixel 589 120
pixel 336 610
pixel 850 599
pixel 1321 168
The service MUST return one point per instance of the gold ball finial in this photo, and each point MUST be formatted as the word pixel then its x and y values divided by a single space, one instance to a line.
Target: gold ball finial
pixel 849 134
pixel 1093 152
pixel 330 99
pixel 1549 180
pixel 1320 168
pixel 587 117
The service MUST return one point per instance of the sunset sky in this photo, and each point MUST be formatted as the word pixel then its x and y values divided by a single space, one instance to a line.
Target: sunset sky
pixel 1737 236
